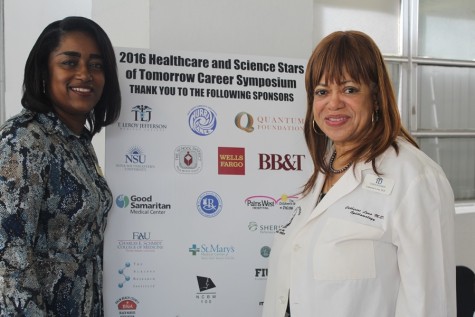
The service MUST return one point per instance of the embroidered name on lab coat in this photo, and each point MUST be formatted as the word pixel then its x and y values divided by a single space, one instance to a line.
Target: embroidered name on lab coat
pixel 378 184
pixel 364 213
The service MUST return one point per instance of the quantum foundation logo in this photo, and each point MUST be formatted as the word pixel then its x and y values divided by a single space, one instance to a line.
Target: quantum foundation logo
pixel 142 115
pixel 231 161
pixel 213 251
pixel 188 159
pixel 140 242
pixel 135 160
pixel 202 120
pixel 276 162
pixel 142 205
pixel 246 122
pixel 261 202
pixel 127 306
pixel 209 204
pixel 206 295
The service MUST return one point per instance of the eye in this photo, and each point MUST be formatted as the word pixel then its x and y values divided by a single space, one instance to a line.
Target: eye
pixel 351 90
pixel 69 63
pixel 320 92
pixel 96 65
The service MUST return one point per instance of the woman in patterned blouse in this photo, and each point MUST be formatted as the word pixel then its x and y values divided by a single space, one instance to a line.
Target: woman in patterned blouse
pixel 54 199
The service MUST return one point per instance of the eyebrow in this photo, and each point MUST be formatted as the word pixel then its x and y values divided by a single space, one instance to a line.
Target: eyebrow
pixel 76 54
pixel 340 83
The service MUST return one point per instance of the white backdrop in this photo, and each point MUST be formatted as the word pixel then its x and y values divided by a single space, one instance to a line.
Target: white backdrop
pixel 204 163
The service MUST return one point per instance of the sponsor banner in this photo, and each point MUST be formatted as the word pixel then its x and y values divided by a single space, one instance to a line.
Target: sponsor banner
pixel 205 163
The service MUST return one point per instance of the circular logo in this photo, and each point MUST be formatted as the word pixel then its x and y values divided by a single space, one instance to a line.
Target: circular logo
pixel 122 201
pixel 209 204
pixel 252 226
pixel 265 251
pixel 202 120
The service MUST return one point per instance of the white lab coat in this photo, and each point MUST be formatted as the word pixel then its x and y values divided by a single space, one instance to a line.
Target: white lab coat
pixel 373 247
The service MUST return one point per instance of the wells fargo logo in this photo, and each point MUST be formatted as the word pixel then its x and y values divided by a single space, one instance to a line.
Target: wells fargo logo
pixel 231 161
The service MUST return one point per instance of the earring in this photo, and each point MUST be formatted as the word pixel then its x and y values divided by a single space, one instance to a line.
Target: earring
pixel 44 87
pixel 316 129
pixel 375 116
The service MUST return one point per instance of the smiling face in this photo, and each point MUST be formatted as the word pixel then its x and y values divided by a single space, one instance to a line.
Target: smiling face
pixel 343 111
pixel 76 78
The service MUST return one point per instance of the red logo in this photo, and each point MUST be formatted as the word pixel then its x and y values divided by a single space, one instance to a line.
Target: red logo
pixel 127 304
pixel 231 161
pixel 287 162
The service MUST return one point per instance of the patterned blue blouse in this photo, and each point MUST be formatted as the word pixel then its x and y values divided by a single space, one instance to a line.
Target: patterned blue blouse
pixel 53 208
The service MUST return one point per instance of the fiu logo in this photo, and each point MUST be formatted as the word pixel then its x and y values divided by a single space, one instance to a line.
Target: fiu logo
pixel 260 273
pixel 287 162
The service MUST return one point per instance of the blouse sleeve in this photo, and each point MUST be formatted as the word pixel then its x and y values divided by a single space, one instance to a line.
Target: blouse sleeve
pixel 424 235
pixel 23 173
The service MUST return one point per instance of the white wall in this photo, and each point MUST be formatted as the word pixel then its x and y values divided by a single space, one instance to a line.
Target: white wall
pixel 24 21
pixel 255 27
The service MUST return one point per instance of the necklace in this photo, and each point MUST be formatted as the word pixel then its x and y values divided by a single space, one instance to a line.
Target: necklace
pixel 341 170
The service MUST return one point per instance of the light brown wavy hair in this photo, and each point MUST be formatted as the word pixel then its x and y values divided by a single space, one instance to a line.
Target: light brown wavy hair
pixel 356 54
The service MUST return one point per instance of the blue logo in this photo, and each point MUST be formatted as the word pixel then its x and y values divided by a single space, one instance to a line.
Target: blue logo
pixel 265 251
pixel 209 204
pixel 142 113
pixel 122 201
pixel 122 272
pixel 202 120
pixel 135 156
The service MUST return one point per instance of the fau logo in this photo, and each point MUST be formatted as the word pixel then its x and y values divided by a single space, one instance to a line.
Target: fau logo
pixel 287 162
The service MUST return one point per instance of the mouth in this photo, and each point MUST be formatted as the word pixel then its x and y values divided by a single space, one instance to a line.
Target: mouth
pixel 82 90
pixel 336 120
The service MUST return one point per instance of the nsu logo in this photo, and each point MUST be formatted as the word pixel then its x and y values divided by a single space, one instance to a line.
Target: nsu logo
pixel 287 162
pixel 135 156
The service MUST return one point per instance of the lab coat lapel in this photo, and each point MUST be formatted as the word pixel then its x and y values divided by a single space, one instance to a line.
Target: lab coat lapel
pixel 346 184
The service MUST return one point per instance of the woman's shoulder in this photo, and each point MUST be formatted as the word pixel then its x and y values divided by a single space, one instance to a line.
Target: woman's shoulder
pixel 23 128
pixel 409 158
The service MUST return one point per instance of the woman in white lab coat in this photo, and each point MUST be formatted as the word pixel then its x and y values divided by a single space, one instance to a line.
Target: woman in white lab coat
pixel 373 234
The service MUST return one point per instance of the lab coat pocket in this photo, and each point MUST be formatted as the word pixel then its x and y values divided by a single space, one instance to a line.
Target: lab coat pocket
pixel 345 251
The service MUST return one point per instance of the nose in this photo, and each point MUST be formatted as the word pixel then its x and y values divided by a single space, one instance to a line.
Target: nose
pixel 335 102
pixel 83 72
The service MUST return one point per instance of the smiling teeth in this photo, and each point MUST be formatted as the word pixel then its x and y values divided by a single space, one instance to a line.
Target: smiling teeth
pixel 336 119
pixel 81 89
